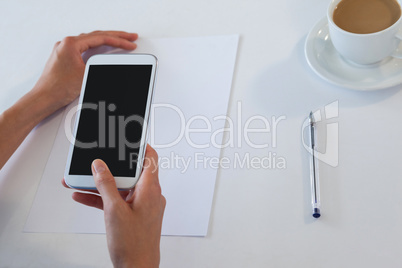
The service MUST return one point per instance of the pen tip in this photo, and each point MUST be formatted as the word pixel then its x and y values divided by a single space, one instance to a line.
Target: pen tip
pixel 316 213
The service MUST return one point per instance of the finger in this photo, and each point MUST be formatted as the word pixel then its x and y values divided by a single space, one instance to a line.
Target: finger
pixel 148 185
pixel 56 45
pixel 150 166
pixel 105 182
pixel 90 200
pixel 149 176
pixel 90 41
pixel 120 34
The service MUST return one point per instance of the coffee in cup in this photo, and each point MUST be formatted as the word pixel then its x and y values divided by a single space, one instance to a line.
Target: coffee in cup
pixel 366 16
pixel 365 31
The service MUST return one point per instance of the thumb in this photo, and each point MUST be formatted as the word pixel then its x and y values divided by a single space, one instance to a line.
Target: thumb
pixel 104 181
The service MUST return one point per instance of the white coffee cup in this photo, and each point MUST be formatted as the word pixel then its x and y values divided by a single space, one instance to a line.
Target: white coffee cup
pixel 368 48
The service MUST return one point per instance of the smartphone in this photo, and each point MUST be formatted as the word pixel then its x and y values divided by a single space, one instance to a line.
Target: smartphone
pixel 112 119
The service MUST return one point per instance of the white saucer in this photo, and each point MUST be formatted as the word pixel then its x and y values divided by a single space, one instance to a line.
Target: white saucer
pixel 329 65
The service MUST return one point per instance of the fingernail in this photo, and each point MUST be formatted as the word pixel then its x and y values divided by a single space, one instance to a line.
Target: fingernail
pixel 98 166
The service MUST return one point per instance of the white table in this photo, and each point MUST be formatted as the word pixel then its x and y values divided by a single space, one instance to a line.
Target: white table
pixel 260 217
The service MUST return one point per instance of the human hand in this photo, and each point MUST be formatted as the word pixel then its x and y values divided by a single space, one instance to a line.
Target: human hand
pixel 60 82
pixel 133 218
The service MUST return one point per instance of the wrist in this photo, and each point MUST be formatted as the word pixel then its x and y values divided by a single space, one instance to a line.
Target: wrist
pixel 32 108
pixel 18 120
pixel 46 98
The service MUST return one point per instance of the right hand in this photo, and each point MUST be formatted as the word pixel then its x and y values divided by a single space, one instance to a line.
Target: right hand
pixel 134 221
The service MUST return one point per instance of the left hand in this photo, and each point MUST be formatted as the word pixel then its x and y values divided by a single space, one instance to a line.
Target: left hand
pixel 60 82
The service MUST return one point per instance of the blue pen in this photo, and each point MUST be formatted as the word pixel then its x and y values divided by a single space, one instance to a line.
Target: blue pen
pixel 315 186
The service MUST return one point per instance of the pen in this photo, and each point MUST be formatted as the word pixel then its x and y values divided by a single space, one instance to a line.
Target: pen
pixel 315 186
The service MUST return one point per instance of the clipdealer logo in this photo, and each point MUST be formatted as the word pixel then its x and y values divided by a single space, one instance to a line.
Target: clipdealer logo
pixel 114 133
pixel 199 132
pixel 330 153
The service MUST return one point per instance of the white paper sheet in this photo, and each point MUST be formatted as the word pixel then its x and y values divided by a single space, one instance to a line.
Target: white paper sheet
pixel 193 87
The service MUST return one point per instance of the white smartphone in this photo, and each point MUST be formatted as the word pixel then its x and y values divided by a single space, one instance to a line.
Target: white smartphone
pixel 112 119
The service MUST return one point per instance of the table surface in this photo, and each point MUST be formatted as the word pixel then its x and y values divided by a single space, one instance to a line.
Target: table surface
pixel 260 215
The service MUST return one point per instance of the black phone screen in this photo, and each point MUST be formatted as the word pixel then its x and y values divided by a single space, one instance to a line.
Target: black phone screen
pixel 111 118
